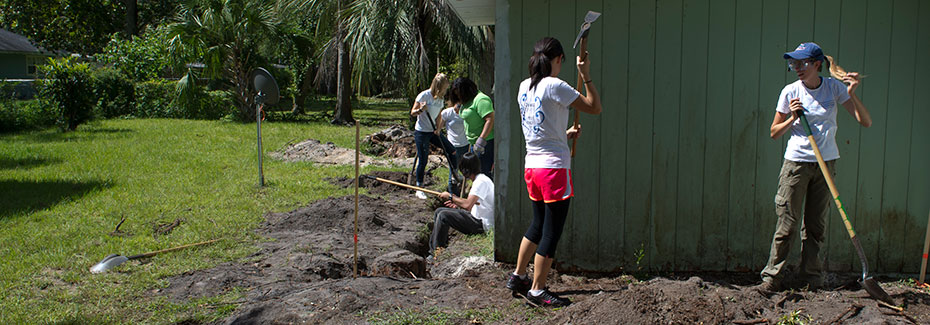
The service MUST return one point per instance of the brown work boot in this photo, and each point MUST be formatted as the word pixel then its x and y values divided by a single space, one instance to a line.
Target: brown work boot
pixel 768 287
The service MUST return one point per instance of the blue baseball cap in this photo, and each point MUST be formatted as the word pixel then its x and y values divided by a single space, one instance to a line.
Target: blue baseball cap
pixel 808 50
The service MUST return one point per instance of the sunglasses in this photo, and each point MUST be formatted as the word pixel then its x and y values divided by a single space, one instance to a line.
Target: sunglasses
pixel 799 65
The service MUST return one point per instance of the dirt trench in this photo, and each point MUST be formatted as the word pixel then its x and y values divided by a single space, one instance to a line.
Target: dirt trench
pixel 303 274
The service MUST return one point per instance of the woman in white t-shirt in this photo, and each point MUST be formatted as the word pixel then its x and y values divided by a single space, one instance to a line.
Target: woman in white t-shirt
pixel 801 185
pixel 470 215
pixel 455 133
pixel 545 101
pixel 426 108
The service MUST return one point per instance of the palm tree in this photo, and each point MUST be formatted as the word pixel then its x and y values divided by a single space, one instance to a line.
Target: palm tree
pixel 391 42
pixel 226 36
pixel 398 37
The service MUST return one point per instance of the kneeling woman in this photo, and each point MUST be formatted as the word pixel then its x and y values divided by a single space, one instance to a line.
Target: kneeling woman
pixel 470 215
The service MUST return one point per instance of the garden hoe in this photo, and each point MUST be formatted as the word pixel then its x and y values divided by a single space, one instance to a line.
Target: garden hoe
pixel 583 53
pixel 867 282
pixel 113 260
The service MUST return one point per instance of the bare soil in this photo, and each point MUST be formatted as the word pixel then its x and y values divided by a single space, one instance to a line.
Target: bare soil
pixel 304 274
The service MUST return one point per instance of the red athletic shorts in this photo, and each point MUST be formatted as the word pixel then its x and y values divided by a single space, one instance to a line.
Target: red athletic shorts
pixel 549 184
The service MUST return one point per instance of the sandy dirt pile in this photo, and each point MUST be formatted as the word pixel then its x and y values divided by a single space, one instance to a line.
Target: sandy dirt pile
pixel 392 147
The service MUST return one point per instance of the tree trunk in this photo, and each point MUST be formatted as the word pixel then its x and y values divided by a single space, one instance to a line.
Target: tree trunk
pixel 303 90
pixel 132 15
pixel 343 114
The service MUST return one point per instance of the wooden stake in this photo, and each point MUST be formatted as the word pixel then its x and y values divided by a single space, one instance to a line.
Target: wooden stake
pixel 355 265
pixel 923 262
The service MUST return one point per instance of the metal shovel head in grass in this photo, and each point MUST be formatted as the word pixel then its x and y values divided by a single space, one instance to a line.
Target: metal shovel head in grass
pixel 114 260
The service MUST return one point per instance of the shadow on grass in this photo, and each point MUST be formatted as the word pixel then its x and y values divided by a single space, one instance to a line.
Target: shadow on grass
pixel 17 163
pixel 82 319
pixel 18 198
pixel 79 135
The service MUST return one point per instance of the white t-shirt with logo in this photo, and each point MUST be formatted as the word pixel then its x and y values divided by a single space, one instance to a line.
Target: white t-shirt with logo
pixel 483 188
pixel 455 127
pixel 820 107
pixel 544 111
pixel 433 105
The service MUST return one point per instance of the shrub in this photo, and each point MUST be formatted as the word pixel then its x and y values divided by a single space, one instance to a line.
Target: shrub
pixel 21 115
pixel 68 88
pixel 214 105
pixel 155 99
pixel 113 91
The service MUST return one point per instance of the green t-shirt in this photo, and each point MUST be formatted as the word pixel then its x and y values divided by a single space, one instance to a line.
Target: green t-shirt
pixel 474 113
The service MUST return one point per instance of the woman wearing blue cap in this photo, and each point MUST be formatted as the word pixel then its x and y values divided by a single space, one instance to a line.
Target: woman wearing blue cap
pixel 801 183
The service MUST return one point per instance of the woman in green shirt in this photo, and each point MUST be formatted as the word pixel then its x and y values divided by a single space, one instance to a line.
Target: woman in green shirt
pixel 477 111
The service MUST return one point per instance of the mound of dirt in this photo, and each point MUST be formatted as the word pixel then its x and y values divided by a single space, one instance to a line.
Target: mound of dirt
pixel 311 244
pixel 401 153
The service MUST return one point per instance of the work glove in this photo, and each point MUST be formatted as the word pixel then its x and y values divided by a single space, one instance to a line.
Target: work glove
pixel 479 146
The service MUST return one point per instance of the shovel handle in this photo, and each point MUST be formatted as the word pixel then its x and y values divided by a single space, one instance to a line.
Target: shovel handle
pixel 149 254
pixel 834 191
pixel 402 185
pixel 408 186
pixel 583 53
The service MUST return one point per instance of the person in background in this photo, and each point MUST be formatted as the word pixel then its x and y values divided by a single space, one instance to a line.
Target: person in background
pixel 477 111
pixel 455 133
pixel 470 215
pixel 426 108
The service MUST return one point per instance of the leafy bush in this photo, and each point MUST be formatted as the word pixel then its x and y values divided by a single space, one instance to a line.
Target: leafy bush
pixel 140 58
pixel 155 98
pixel 21 115
pixel 68 87
pixel 114 93
pixel 214 105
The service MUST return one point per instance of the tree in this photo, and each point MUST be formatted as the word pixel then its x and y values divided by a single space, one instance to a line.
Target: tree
pixel 399 37
pixel 389 42
pixel 82 26
pixel 226 35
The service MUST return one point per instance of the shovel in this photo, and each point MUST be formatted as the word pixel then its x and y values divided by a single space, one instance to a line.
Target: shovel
pixel 113 260
pixel 871 286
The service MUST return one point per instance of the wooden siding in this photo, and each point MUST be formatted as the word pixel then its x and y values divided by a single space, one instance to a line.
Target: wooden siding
pixel 678 172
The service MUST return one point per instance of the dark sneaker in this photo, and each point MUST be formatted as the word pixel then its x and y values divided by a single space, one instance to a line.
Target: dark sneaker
pixel 519 285
pixel 548 299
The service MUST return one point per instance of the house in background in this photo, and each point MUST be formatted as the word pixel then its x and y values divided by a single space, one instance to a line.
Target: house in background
pixel 19 58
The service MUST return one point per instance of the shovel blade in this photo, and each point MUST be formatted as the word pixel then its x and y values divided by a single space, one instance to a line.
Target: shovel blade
pixel 109 262
pixel 871 286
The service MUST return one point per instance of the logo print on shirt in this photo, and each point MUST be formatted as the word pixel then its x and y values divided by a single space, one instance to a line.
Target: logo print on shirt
pixel 531 114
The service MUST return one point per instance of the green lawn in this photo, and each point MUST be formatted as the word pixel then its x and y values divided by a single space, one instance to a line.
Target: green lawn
pixel 64 193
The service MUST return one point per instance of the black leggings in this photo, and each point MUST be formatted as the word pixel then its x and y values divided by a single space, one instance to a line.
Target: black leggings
pixel 548 220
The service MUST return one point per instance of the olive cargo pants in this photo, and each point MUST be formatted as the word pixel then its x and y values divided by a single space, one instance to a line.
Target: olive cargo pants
pixel 800 185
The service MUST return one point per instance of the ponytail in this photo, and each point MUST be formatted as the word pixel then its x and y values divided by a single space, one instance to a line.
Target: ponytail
pixel 835 70
pixel 540 67
pixel 545 50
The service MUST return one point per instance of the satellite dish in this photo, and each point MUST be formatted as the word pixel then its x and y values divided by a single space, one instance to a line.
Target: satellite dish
pixel 266 86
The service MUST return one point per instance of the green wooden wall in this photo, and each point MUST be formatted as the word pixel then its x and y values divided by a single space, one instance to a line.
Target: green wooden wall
pixel 678 172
